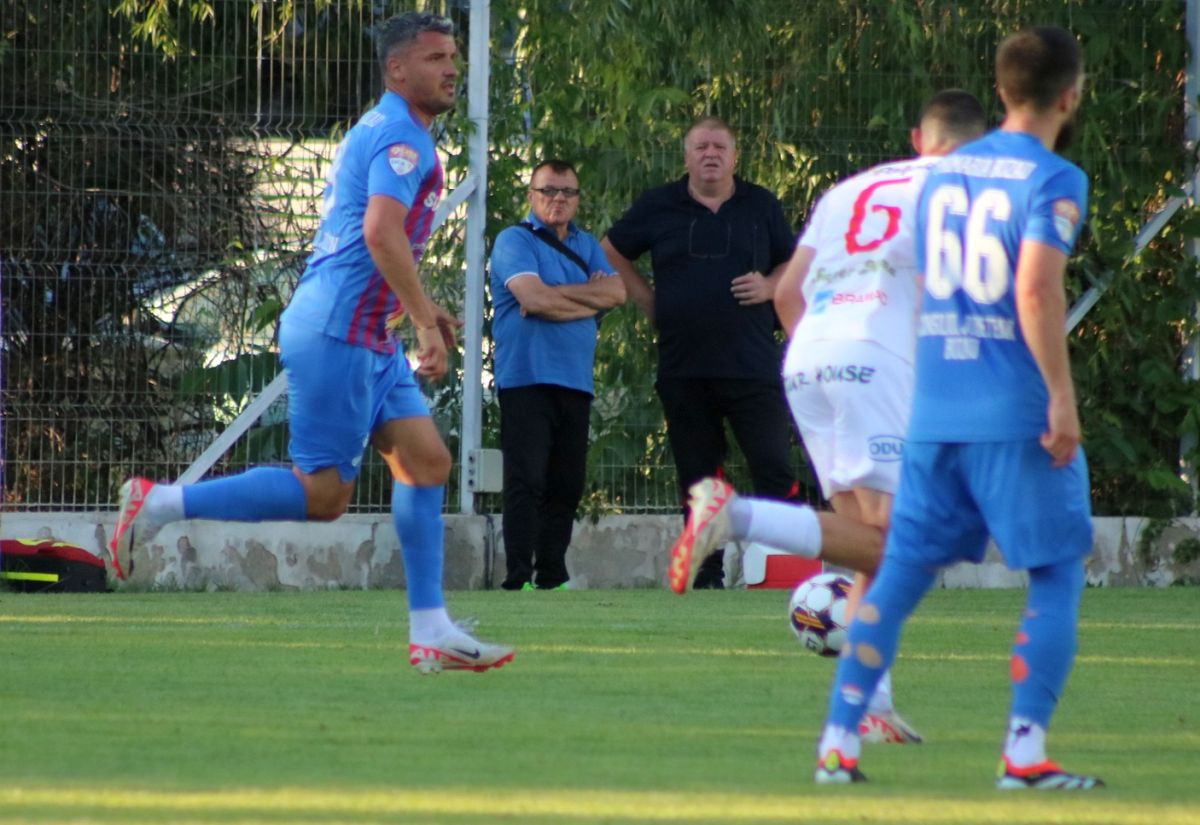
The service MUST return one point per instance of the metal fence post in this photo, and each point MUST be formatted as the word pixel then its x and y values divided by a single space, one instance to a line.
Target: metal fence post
pixel 478 70
pixel 1191 357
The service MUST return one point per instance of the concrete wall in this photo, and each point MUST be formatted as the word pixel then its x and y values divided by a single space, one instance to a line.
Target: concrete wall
pixel 619 551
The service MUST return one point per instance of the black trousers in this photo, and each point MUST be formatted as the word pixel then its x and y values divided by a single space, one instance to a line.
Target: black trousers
pixel 696 410
pixel 544 439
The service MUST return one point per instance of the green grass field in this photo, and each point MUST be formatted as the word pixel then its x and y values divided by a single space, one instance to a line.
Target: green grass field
pixel 621 707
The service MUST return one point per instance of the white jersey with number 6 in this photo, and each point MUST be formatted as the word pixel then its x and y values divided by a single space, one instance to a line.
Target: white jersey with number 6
pixel 862 284
pixel 849 367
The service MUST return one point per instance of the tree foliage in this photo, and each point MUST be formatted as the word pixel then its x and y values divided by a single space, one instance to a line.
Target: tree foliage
pixel 818 90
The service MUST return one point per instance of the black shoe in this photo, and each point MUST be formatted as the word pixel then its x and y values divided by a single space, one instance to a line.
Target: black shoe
pixel 1046 776
pixel 711 575
pixel 509 584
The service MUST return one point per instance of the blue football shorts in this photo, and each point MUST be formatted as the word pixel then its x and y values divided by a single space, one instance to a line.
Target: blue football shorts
pixel 338 394
pixel 952 496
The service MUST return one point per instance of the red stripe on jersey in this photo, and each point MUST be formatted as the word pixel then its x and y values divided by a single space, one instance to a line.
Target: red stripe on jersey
pixel 374 334
pixel 377 301
pixel 366 325
pixel 419 223
pixel 352 334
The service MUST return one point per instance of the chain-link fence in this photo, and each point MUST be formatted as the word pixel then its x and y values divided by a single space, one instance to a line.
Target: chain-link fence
pixel 160 193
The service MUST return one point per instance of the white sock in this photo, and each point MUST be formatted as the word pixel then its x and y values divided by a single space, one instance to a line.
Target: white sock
pixel 1026 743
pixel 427 626
pixel 793 528
pixel 881 699
pixel 164 504
pixel 837 738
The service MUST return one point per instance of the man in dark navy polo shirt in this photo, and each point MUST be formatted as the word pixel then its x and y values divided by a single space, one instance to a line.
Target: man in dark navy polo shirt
pixel 718 245
pixel 549 279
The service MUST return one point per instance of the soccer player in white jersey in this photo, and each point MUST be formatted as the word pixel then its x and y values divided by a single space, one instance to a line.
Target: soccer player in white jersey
pixel 849 299
pixel 993 439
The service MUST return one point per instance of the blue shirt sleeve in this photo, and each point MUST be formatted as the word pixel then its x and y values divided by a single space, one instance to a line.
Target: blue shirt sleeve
pixel 1058 208
pixel 398 167
pixel 513 253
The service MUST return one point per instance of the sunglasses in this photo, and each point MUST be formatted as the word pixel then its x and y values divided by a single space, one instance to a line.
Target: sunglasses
pixel 554 191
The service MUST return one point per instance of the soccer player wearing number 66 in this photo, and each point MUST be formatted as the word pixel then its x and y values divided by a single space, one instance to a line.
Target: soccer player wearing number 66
pixel 993 441
pixel 848 299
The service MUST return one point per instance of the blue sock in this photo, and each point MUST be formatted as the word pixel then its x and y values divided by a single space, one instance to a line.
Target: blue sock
pixel 260 494
pixel 1045 648
pixel 874 636
pixel 417 514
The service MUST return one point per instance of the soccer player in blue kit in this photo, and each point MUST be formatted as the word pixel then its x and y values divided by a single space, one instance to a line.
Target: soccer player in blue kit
pixel 348 381
pixel 993 441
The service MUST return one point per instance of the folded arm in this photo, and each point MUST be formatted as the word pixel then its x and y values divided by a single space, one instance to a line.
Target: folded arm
pixel 602 291
pixel 543 301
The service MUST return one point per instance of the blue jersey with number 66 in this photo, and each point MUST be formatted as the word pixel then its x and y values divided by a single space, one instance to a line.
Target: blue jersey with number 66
pixel 976 379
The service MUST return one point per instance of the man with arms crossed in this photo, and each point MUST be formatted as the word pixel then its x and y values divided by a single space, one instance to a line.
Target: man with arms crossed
pixel 348 381
pixel 849 297
pixel 550 282
pixel 993 444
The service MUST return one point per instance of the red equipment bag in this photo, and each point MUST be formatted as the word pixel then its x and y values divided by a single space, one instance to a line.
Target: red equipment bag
pixel 46 565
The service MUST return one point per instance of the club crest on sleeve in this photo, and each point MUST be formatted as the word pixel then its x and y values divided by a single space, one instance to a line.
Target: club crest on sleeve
pixel 402 158
pixel 1066 216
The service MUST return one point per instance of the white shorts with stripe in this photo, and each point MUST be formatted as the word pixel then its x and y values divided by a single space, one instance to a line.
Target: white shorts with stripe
pixel 851 401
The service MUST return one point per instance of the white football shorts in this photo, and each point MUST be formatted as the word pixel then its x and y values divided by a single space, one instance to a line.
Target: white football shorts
pixel 851 401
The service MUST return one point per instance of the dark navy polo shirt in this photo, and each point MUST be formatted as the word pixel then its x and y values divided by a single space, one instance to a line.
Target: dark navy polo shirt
pixel 694 256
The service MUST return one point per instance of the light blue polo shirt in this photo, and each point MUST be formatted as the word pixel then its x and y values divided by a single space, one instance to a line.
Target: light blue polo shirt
pixel 531 350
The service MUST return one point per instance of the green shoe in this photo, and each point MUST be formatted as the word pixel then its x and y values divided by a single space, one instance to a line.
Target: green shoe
pixel 528 586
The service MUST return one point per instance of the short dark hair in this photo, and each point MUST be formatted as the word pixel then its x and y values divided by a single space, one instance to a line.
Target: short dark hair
pixel 557 166
pixel 958 114
pixel 1034 66
pixel 402 30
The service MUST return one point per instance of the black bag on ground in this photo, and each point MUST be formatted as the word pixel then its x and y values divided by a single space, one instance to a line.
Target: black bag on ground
pixel 49 566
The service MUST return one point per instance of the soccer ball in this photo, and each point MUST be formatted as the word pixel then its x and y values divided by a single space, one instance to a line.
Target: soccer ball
pixel 818 613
